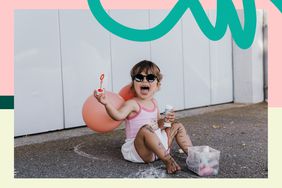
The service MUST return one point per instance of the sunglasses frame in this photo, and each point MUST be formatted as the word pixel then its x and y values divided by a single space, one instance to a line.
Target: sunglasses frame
pixel 145 77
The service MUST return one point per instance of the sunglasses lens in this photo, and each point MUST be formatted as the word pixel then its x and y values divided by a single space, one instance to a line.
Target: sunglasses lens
pixel 139 78
pixel 150 78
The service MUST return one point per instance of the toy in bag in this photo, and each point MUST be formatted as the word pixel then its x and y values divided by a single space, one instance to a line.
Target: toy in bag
pixel 203 160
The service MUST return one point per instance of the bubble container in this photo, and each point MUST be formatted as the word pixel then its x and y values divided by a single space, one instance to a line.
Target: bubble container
pixel 203 160
pixel 168 108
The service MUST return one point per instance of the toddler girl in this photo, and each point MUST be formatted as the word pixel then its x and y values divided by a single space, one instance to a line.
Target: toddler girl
pixel 146 137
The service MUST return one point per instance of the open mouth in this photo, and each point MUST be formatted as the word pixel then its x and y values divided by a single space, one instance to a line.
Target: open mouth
pixel 145 90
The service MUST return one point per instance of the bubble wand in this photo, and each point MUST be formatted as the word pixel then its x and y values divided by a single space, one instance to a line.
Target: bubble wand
pixel 101 90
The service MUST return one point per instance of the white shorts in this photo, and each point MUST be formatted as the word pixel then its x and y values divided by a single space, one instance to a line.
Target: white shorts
pixel 129 152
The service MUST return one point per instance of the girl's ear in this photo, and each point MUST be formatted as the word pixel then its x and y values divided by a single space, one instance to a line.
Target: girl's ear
pixel 132 88
pixel 159 86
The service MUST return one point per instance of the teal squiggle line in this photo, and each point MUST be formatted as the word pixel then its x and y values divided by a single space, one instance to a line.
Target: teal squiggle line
pixel 277 4
pixel 226 16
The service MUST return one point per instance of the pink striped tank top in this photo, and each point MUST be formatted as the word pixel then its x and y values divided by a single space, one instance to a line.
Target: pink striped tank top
pixel 142 117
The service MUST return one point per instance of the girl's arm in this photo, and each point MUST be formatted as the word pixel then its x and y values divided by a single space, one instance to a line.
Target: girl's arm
pixel 160 120
pixel 121 113
pixel 117 114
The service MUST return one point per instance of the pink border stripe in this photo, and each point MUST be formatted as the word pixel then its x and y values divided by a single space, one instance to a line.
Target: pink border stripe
pixel 7 44
pixel 6 51
pixel 274 58
pixel 138 4
pixel 82 4
pixel 49 4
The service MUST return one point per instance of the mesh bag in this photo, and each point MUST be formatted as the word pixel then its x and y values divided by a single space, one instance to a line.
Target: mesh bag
pixel 203 160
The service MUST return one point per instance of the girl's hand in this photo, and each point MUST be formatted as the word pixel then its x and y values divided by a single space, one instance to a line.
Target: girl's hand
pixel 161 122
pixel 170 116
pixel 101 98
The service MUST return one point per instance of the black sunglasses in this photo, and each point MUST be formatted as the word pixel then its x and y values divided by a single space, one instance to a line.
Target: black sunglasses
pixel 140 77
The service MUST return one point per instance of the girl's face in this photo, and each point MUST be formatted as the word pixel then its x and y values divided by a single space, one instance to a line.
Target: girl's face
pixel 145 85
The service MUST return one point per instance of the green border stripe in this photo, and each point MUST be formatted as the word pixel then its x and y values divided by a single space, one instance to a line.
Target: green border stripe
pixel 6 102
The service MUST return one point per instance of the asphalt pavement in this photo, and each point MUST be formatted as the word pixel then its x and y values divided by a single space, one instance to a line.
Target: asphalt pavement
pixel 238 132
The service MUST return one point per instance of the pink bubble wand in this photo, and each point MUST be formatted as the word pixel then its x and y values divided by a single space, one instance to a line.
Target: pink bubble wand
pixel 101 82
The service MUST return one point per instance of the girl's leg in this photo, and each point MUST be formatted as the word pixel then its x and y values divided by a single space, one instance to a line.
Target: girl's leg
pixel 178 132
pixel 147 144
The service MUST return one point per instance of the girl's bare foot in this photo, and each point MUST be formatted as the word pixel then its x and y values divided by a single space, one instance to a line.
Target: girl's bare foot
pixel 171 165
